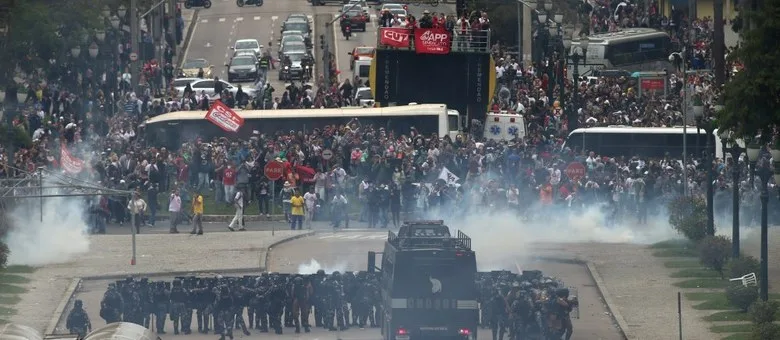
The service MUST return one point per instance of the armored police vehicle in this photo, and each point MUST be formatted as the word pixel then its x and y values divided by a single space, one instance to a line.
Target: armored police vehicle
pixel 427 283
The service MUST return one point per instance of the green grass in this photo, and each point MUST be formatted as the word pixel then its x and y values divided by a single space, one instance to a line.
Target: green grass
pixel 9 299
pixel 728 315
pixel 13 279
pixel 695 272
pixel 685 263
pixel 676 252
pixel 5 311
pixel 17 270
pixel 716 302
pixel 11 289
pixel 736 328
pixel 702 283
pixel 679 243
pixel 701 296
pixel 738 336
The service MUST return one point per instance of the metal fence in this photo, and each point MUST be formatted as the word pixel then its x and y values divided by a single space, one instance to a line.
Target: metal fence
pixel 470 42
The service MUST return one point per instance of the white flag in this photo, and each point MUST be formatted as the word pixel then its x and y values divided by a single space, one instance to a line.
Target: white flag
pixel 447 176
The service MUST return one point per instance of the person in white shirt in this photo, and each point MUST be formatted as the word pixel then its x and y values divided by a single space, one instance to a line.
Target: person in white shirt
pixel 339 206
pixel 238 219
pixel 137 207
pixel 310 200
pixel 174 208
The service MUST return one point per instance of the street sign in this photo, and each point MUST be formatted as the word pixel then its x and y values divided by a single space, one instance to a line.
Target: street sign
pixel 133 56
pixel 274 170
pixel 575 171
pixel 327 154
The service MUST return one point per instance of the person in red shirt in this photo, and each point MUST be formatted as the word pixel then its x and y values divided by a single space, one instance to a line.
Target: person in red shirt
pixel 183 173
pixel 229 182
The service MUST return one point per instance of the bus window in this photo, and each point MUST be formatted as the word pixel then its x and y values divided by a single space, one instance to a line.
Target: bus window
pixel 638 51
pixel 452 121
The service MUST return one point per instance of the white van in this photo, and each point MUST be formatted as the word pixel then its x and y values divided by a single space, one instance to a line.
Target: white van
pixel 362 69
pixel 504 126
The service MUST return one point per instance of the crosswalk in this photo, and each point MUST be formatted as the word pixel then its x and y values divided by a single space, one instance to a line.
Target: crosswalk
pixel 352 236
pixel 239 19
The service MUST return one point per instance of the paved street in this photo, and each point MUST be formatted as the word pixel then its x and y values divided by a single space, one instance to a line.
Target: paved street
pixel 348 251
pixel 110 255
pixel 369 37
pixel 218 28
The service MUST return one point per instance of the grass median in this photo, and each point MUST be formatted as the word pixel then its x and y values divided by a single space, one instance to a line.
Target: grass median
pixel 13 280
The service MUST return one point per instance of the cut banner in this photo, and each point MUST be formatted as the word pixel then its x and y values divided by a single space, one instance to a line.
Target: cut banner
pixel 395 36
pixel 224 117
pixel 447 176
pixel 70 164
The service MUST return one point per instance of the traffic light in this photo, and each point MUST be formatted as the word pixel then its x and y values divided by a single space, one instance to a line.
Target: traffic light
pixel 322 41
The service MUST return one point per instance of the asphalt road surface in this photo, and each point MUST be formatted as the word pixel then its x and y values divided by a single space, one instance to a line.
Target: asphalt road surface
pixel 369 37
pixel 218 28
pixel 348 251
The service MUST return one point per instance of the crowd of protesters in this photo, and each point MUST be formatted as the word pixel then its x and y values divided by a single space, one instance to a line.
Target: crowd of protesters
pixel 385 172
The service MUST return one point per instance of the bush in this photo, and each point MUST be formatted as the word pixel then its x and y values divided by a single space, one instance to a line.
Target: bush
pixel 714 252
pixel 688 215
pixel 742 266
pixel 765 331
pixel 741 297
pixel 763 312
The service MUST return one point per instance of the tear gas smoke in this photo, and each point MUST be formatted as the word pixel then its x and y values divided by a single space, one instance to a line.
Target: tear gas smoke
pixel 502 239
pixel 313 266
pixel 60 235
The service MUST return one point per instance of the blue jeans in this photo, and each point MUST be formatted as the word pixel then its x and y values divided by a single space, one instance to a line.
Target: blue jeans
pixel 296 219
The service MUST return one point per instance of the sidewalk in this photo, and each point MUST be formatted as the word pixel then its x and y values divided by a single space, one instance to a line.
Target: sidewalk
pixel 110 255
pixel 639 287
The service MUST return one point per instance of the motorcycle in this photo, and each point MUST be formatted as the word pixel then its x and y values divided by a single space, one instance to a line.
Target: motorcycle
pixel 241 3
pixel 197 3
pixel 347 31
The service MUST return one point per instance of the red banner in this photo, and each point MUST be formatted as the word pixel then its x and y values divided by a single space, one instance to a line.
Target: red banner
pixel 652 84
pixel 395 36
pixel 432 40
pixel 70 164
pixel 224 117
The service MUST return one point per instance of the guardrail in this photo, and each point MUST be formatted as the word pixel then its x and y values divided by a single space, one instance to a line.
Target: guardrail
pixel 404 39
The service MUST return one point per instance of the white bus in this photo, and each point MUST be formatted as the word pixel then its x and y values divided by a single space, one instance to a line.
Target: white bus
pixel 172 129
pixel 636 49
pixel 655 142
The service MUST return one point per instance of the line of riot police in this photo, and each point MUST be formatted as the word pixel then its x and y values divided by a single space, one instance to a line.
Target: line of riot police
pixel 526 306
pixel 266 302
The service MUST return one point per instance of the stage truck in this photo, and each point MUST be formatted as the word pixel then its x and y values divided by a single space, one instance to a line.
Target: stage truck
pixel 428 283
pixel 173 129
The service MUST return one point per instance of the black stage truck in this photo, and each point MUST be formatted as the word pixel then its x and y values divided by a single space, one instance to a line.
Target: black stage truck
pixel 427 283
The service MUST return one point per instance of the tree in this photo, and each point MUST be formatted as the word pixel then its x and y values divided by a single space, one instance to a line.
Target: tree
pixel 763 315
pixel 714 252
pixel 743 265
pixel 741 297
pixel 688 215
pixel 750 97
pixel 40 30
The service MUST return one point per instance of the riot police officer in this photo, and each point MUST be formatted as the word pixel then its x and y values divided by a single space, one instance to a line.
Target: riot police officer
pixel 278 296
pixel 223 313
pixel 111 305
pixel 162 300
pixel 301 294
pixel 181 314
pixel 78 320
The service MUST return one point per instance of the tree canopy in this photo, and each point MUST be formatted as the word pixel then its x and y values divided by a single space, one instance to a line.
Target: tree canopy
pixel 751 98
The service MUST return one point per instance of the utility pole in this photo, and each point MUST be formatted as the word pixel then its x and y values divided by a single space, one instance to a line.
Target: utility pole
pixel 134 42
pixel 719 44
pixel 173 18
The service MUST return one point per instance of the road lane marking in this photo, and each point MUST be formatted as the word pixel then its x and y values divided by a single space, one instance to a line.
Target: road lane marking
pixel 205 21
pixel 239 19
pixel 221 19
pixel 257 18
pixel 274 18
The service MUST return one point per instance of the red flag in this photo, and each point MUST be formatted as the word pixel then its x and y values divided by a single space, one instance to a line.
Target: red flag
pixel 395 36
pixel 305 173
pixel 224 117
pixel 432 40
pixel 70 164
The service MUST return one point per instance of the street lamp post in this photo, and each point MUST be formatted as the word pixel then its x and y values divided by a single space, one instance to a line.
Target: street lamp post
pixel 764 172
pixel 735 149
pixel 575 53
pixel 706 125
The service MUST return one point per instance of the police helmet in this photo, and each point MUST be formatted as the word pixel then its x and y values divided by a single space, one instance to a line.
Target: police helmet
pixel 78 304
pixel 562 292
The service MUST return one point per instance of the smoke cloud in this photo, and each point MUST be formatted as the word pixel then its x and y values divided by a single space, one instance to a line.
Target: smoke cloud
pixel 503 239
pixel 313 266
pixel 55 237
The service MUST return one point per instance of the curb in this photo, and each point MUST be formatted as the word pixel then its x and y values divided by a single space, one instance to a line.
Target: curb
pixel 264 255
pixel 187 37
pixel 622 325
pixel 59 313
